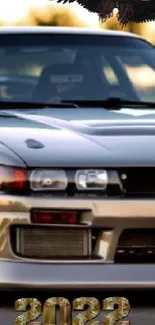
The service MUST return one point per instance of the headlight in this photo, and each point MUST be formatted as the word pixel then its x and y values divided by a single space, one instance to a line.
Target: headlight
pixel 48 179
pixel 94 179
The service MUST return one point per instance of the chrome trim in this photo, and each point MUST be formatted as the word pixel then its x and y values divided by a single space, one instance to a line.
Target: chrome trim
pixel 17 239
pixel 112 214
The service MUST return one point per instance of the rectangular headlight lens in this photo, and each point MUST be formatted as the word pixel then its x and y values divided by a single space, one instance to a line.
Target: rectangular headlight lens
pixel 48 179
pixel 91 179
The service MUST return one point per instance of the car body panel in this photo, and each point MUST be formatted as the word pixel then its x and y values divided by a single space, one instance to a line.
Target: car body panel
pixel 62 146
pixel 24 275
pixel 57 30
pixel 9 157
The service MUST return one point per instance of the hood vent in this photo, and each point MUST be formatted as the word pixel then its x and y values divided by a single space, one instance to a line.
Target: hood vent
pixel 34 144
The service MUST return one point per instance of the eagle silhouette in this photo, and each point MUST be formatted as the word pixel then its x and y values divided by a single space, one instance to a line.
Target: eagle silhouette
pixel 138 11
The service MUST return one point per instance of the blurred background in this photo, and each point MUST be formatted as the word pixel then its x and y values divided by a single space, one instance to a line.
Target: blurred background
pixel 50 13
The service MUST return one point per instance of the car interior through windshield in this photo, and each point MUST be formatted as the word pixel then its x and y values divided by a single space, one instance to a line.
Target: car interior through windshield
pixel 79 69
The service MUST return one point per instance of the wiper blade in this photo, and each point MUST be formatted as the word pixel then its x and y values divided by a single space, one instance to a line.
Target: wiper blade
pixel 114 103
pixel 33 105
pixel 110 103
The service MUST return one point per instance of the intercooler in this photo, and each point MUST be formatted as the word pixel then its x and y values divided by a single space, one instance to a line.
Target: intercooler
pixel 52 242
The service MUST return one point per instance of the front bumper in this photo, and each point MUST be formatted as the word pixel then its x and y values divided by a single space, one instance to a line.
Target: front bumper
pixel 114 214
pixel 19 275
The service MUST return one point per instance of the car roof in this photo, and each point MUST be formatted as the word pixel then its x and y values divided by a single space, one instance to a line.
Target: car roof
pixel 64 30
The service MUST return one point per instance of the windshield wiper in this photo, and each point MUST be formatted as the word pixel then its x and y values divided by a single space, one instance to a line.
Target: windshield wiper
pixel 114 103
pixel 111 103
pixel 33 105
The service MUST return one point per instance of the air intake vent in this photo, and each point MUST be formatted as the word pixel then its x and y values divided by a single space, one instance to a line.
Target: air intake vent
pixel 52 242
pixel 136 246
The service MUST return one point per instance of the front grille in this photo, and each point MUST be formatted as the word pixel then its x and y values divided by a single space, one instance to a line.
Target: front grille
pixel 138 181
pixel 52 242
pixel 136 246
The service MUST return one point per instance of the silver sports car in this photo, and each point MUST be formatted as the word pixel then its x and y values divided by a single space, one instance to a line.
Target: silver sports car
pixel 77 162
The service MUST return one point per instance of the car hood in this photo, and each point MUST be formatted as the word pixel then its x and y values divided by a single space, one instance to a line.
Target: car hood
pixel 46 141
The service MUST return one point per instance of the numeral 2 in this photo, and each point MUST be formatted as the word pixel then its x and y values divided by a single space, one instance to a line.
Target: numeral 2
pixel 28 316
pixel 90 313
pixel 117 314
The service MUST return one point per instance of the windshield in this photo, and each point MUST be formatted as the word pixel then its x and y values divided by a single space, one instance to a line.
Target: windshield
pixel 46 67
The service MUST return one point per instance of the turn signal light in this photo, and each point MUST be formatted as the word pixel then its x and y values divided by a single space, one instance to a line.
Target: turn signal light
pixel 12 178
pixel 54 217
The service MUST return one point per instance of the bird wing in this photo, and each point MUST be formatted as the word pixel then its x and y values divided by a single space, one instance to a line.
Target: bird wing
pixel 138 11
pixel 104 8
pixel 91 5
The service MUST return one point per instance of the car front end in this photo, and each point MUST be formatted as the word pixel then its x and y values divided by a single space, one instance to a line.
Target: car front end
pixel 77 168
pixel 61 225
